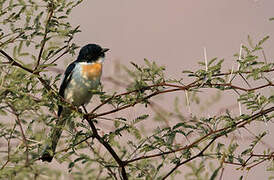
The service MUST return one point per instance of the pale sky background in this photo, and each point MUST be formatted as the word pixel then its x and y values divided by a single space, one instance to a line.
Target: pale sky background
pixel 173 33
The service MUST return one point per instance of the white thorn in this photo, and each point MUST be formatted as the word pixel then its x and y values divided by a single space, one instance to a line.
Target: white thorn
pixel 230 77
pixel 240 55
pixel 265 122
pixel 205 59
pixel 240 108
pixel 187 102
pixel 114 119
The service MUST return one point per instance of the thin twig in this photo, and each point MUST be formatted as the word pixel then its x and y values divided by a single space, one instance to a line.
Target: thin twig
pixel 51 10
pixel 9 148
pixel 22 132
pixel 230 77
pixel 106 145
pixel 200 154
pixel 12 39
pixel 265 60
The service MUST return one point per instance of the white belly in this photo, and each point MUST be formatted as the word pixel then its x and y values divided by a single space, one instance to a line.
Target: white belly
pixel 78 91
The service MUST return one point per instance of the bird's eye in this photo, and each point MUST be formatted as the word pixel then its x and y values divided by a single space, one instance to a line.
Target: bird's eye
pixel 88 56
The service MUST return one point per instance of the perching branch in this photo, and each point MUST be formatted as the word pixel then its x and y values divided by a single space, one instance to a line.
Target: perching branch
pixel 108 147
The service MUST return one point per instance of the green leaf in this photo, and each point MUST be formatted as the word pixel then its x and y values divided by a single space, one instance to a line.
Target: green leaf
pixel 215 173
pixel 211 61
pixel 247 151
pixel 70 166
pixel 2 112
pixel 263 40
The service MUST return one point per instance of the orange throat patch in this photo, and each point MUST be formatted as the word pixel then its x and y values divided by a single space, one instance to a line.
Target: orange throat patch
pixel 91 71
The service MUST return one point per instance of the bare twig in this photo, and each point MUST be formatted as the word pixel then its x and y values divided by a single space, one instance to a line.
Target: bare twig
pixel 9 148
pixel 22 132
pixel 51 10
pixel 12 39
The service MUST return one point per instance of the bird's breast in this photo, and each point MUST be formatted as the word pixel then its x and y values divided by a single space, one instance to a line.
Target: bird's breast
pixel 91 71
pixel 85 78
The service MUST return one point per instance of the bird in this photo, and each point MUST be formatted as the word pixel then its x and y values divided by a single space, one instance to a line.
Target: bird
pixel 80 78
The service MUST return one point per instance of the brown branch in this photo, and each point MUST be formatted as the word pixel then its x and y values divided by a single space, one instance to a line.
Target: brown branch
pixel 222 173
pixel 11 39
pixel 24 139
pixel 240 88
pixel 66 149
pixel 133 104
pixel 265 158
pixel 123 94
pixel 233 163
pixel 187 87
pixel 242 72
pixel 22 132
pixel 51 10
pixel 200 154
pixel 61 55
pixel 93 150
pixel 15 63
pixel 108 147
pixel 178 87
pixel 239 124
pixel 264 155
pixel 9 148
pixel 245 80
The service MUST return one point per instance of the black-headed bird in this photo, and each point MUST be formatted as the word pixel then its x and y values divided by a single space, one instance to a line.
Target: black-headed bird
pixel 80 78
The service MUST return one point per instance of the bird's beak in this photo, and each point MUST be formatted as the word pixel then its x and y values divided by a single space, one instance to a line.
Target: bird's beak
pixel 105 50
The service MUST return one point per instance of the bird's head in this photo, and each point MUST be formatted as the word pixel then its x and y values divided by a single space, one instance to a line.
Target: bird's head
pixel 91 53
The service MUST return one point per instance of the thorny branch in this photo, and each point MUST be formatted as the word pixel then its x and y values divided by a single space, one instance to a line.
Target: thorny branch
pixel 200 154
pixel 178 88
pixel 217 133
pixel 264 157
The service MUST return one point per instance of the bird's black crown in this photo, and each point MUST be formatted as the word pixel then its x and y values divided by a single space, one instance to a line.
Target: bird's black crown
pixel 91 53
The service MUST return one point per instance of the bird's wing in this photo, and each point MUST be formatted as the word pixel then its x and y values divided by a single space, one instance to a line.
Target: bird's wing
pixel 64 84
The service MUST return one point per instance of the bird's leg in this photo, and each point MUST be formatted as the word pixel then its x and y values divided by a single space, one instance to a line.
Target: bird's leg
pixel 85 110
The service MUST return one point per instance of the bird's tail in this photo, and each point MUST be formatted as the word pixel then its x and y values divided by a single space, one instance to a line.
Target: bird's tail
pixel 49 150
